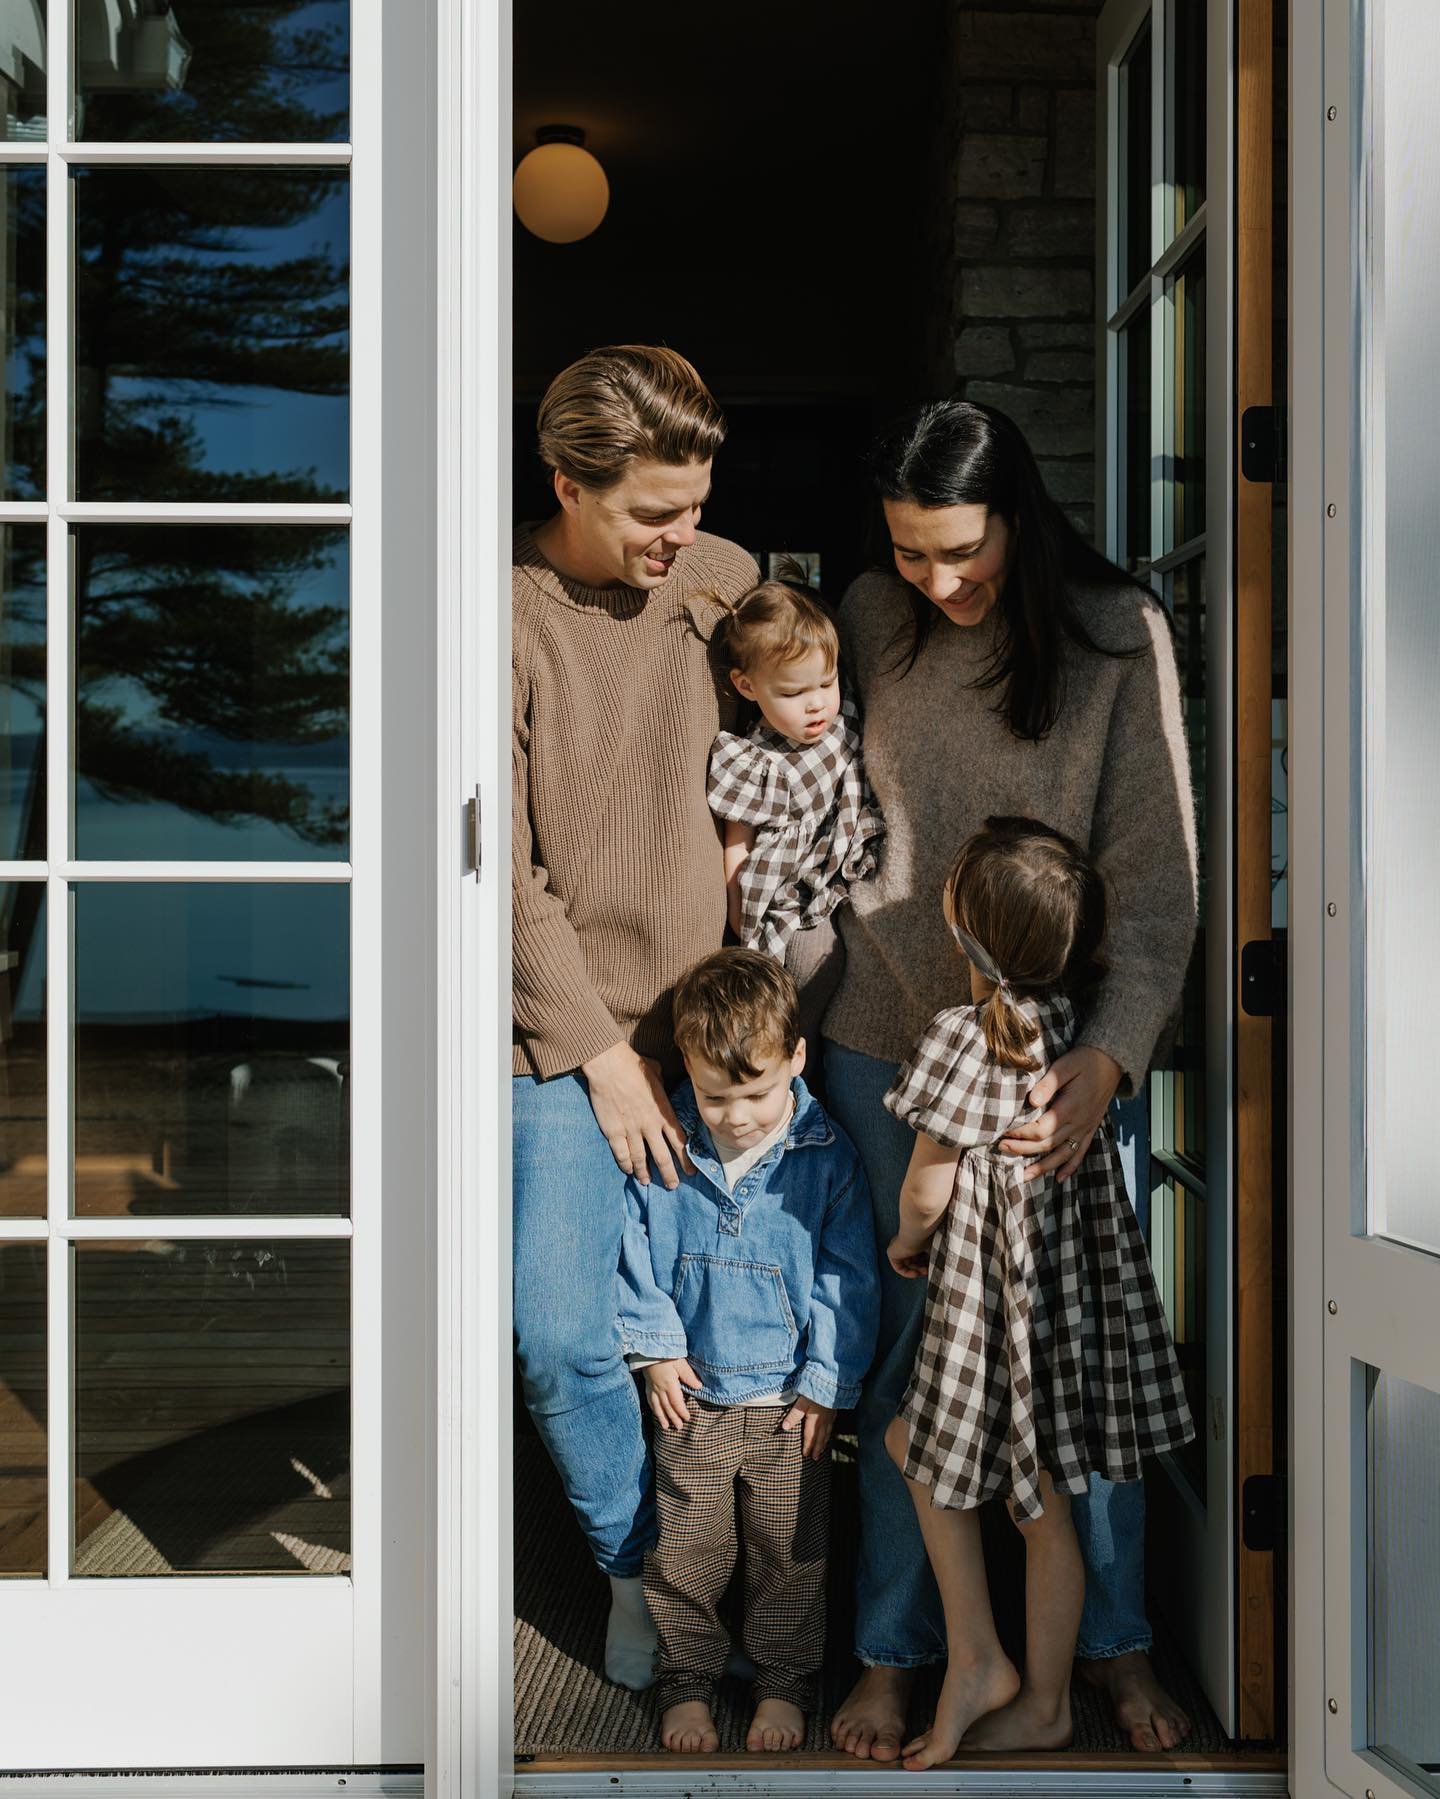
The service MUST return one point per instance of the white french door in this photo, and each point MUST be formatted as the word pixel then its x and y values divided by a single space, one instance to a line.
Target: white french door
pixel 1366 1209
pixel 213 967
pixel 1164 332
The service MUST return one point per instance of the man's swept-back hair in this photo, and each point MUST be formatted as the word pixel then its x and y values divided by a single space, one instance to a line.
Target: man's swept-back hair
pixel 624 403
pixel 736 1009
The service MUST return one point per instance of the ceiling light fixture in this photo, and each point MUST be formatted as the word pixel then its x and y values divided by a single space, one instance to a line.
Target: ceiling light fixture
pixel 560 190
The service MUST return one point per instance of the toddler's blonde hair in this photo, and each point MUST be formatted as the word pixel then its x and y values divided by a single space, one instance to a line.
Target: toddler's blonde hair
pixel 778 621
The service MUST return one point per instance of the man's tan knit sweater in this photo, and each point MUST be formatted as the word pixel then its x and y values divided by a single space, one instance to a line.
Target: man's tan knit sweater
pixel 618 879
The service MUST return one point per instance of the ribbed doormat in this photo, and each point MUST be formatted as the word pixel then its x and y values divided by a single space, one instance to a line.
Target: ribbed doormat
pixel 565 1706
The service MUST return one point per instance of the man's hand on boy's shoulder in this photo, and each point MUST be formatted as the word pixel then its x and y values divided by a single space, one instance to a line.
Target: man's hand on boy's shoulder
pixel 815 1421
pixel 665 1384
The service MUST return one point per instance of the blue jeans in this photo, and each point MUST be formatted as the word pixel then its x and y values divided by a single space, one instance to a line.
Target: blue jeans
pixel 899 1622
pixel 569 1213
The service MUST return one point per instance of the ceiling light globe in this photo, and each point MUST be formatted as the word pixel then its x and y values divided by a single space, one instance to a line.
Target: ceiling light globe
pixel 561 193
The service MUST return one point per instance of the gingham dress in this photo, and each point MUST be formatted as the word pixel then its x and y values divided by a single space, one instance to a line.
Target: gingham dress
pixel 817 826
pixel 1045 1344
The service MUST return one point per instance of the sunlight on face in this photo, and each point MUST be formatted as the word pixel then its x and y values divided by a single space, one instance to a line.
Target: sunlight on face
pixel 799 698
pixel 958 556
pixel 634 531
pixel 738 1115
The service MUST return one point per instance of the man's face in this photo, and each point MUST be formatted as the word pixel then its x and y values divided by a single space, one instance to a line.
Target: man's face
pixel 740 1113
pixel 634 530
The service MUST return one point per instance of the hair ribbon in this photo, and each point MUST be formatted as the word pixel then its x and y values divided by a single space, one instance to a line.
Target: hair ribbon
pixel 981 958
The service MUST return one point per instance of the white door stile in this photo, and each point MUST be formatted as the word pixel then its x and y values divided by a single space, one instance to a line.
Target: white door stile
pixel 367 921
pixel 470 1754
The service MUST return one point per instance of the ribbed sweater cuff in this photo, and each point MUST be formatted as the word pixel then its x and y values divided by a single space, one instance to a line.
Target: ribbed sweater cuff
pixel 549 1056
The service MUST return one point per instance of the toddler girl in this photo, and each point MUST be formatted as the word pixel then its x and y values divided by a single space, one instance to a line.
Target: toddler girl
pixel 1045 1354
pixel 800 821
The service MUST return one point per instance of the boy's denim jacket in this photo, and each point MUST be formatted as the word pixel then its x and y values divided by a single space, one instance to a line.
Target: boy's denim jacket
pixel 774 1286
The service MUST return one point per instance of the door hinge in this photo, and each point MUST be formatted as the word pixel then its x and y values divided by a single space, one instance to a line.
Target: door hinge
pixel 1262 1511
pixel 1262 978
pixel 474 854
pixel 1262 443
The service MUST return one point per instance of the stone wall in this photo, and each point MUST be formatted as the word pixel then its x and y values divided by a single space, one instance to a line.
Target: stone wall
pixel 1024 228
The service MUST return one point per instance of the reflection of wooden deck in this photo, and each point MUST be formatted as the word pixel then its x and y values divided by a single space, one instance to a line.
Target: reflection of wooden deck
pixel 211 1407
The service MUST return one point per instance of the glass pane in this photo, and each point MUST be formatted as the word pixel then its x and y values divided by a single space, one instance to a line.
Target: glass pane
pixel 22 693
pixel 22 1409
pixel 1399 447
pixel 1404 1568
pixel 1136 157
pixel 1187 424
pixel 212 1408
pixel 212 1044
pixel 212 692
pixel 1177 1256
pixel 22 69
pixel 268 72
pixel 23 1158
pixel 212 354
pixel 1178 1121
pixel 1135 411
pixel 1187 100
pixel 22 296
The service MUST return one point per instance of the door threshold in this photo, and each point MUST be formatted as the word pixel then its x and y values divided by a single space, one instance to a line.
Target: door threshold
pixel 230 1783
pixel 1133 1777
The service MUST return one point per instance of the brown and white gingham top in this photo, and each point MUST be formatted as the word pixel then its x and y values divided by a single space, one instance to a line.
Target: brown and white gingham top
pixel 817 826
pixel 1045 1345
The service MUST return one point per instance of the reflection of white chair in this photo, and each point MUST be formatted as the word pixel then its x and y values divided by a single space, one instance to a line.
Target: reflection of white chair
pixel 285 1135
pixel 129 46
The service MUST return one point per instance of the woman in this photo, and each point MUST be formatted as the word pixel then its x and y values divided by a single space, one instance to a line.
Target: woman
pixel 1004 667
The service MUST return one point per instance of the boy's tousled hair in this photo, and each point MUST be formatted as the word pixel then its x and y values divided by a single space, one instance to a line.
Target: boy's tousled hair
pixel 781 620
pixel 625 403
pixel 733 1006
pixel 1034 901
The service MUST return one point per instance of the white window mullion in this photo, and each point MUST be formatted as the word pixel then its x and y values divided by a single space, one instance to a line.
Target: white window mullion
pixel 337 873
pixel 245 1227
pixel 59 313
pixel 201 512
pixel 159 155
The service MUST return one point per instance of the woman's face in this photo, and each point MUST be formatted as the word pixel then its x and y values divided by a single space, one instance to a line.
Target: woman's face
pixel 958 556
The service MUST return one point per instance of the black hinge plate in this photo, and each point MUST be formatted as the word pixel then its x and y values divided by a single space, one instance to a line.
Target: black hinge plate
pixel 1262 978
pixel 1262 443
pixel 1262 1511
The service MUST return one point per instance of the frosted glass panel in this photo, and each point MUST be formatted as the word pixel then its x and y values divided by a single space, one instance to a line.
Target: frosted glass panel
pixel 1399 450
pixel 1404 1565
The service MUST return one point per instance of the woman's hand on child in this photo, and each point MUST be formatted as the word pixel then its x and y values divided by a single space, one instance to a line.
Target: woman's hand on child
pixel 907 1257
pixel 815 1422
pixel 1074 1096
pixel 634 1113
pixel 665 1383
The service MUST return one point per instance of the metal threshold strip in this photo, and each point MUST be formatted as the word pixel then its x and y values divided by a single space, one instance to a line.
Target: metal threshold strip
pixel 1140 1777
pixel 338 1783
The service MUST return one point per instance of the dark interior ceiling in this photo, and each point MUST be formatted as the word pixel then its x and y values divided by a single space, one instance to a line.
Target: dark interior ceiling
pixel 777 197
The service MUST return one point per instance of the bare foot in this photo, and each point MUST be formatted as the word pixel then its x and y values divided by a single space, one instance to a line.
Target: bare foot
pixel 688 1728
pixel 1142 1706
pixel 871 1722
pixel 1026 1723
pixel 776 1725
pixel 968 1693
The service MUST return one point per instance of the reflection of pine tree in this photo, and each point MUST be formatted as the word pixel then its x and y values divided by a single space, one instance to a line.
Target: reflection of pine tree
pixel 173 310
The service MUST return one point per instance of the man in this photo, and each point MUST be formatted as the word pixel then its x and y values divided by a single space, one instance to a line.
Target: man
pixel 618 888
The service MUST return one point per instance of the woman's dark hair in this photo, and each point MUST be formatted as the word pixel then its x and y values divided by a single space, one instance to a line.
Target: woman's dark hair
pixel 1035 903
pixel 959 453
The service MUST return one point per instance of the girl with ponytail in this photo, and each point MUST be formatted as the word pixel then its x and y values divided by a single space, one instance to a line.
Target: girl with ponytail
pixel 1045 1356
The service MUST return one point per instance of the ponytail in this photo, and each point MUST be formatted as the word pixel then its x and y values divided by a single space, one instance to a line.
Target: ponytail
pixel 1008 1032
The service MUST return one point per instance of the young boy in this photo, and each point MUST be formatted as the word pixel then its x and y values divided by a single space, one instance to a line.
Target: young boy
pixel 750 1297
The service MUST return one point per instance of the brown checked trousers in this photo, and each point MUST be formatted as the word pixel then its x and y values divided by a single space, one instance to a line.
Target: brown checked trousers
pixel 733 1477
